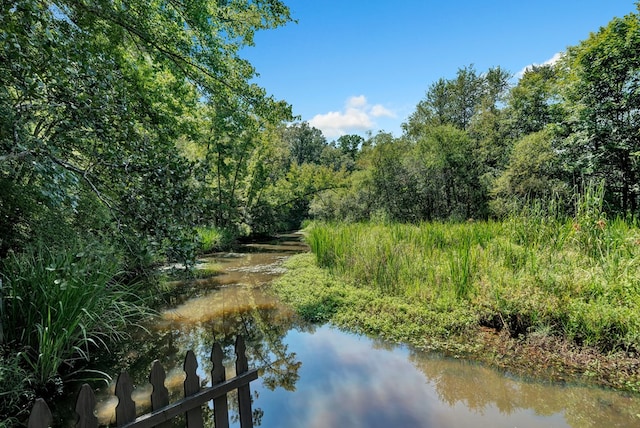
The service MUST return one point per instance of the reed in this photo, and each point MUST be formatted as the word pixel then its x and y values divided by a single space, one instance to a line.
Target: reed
pixel 575 277
pixel 213 239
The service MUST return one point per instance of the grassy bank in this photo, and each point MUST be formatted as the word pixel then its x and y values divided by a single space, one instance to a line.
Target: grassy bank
pixel 550 297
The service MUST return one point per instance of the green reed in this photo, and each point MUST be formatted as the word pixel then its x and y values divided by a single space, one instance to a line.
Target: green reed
pixel 575 277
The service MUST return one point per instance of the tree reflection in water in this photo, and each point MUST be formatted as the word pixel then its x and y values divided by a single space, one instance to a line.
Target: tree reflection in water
pixel 480 388
pixel 263 327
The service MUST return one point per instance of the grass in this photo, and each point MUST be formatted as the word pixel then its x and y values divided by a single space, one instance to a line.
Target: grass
pixel 60 305
pixel 578 280
pixel 15 398
pixel 214 239
pixel 568 287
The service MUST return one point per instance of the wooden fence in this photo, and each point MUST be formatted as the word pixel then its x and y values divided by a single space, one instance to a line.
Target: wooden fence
pixel 162 411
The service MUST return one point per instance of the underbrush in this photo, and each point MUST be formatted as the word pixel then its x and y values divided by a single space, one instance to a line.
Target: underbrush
pixel 58 306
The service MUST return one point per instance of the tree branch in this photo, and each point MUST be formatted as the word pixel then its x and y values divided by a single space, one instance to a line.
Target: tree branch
pixel 14 156
pixel 85 176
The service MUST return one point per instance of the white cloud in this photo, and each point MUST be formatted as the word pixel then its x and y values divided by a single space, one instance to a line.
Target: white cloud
pixel 356 102
pixel 379 110
pixel 355 117
pixel 551 61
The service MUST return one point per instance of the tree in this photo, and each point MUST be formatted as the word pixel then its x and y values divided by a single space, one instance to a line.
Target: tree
pixel 394 189
pixel 94 96
pixel 447 175
pixel 305 143
pixel 350 144
pixel 488 126
pixel 603 93
pixel 535 101
pixel 533 173
pixel 449 102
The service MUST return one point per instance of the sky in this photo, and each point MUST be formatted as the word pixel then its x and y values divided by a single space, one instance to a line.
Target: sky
pixel 358 66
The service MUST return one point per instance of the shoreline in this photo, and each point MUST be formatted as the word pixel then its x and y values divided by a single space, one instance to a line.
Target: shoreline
pixel 319 297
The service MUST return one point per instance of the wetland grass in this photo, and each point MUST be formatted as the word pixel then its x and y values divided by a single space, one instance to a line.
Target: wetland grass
pixel 533 278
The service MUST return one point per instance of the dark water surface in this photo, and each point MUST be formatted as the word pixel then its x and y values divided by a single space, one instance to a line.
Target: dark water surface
pixel 319 376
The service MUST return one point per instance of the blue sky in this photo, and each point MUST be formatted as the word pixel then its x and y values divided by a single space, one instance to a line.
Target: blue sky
pixel 352 66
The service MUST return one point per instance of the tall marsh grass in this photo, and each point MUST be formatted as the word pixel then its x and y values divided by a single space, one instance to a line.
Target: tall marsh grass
pixel 577 277
pixel 214 239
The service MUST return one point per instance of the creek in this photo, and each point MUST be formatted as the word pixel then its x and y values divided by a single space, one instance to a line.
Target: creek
pixel 319 376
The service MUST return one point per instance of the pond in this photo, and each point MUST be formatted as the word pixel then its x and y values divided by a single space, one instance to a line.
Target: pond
pixel 319 376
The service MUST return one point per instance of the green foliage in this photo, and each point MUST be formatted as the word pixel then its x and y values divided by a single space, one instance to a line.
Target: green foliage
pixel 305 142
pixel 62 303
pixel 575 276
pixel 534 102
pixel 95 101
pixel 533 173
pixel 601 88
pixel 15 394
pixel 214 239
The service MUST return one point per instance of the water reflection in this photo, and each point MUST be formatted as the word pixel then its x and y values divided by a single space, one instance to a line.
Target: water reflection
pixel 318 376
pixel 264 329
pixel 217 310
pixel 348 380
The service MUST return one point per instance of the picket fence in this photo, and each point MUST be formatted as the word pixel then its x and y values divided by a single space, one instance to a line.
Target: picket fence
pixel 162 411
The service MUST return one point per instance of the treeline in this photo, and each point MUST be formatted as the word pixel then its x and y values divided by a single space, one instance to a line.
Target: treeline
pixel 477 146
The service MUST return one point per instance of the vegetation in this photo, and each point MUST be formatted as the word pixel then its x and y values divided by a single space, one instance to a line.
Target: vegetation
pixel 534 280
pixel 575 278
pixel 131 136
pixel 59 306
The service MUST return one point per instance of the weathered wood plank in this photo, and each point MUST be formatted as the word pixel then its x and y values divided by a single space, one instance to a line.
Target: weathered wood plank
pixel 218 375
pixel 244 393
pixel 126 408
pixel 160 393
pixel 40 416
pixel 196 400
pixel 85 407
pixel 162 411
pixel 191 387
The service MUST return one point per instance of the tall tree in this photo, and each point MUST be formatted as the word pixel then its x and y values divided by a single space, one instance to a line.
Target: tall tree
pixel 94 95
pixel 603 90
pixel 535 101
pixel 455 101
pixel 305 143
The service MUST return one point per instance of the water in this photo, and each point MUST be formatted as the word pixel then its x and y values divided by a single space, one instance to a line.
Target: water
pixel 319 376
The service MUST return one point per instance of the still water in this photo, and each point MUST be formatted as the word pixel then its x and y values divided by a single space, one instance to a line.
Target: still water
pixel 318 376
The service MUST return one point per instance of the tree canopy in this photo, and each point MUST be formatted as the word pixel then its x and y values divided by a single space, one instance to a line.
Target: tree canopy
pixel 96 96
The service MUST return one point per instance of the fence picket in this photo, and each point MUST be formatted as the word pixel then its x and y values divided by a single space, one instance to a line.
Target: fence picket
pixel 40 415
pixel 218 375
pixel 126 408
pixel 160 393
pixel 191 387
pixel 244 393
pixel 162 412
pixel 85 405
